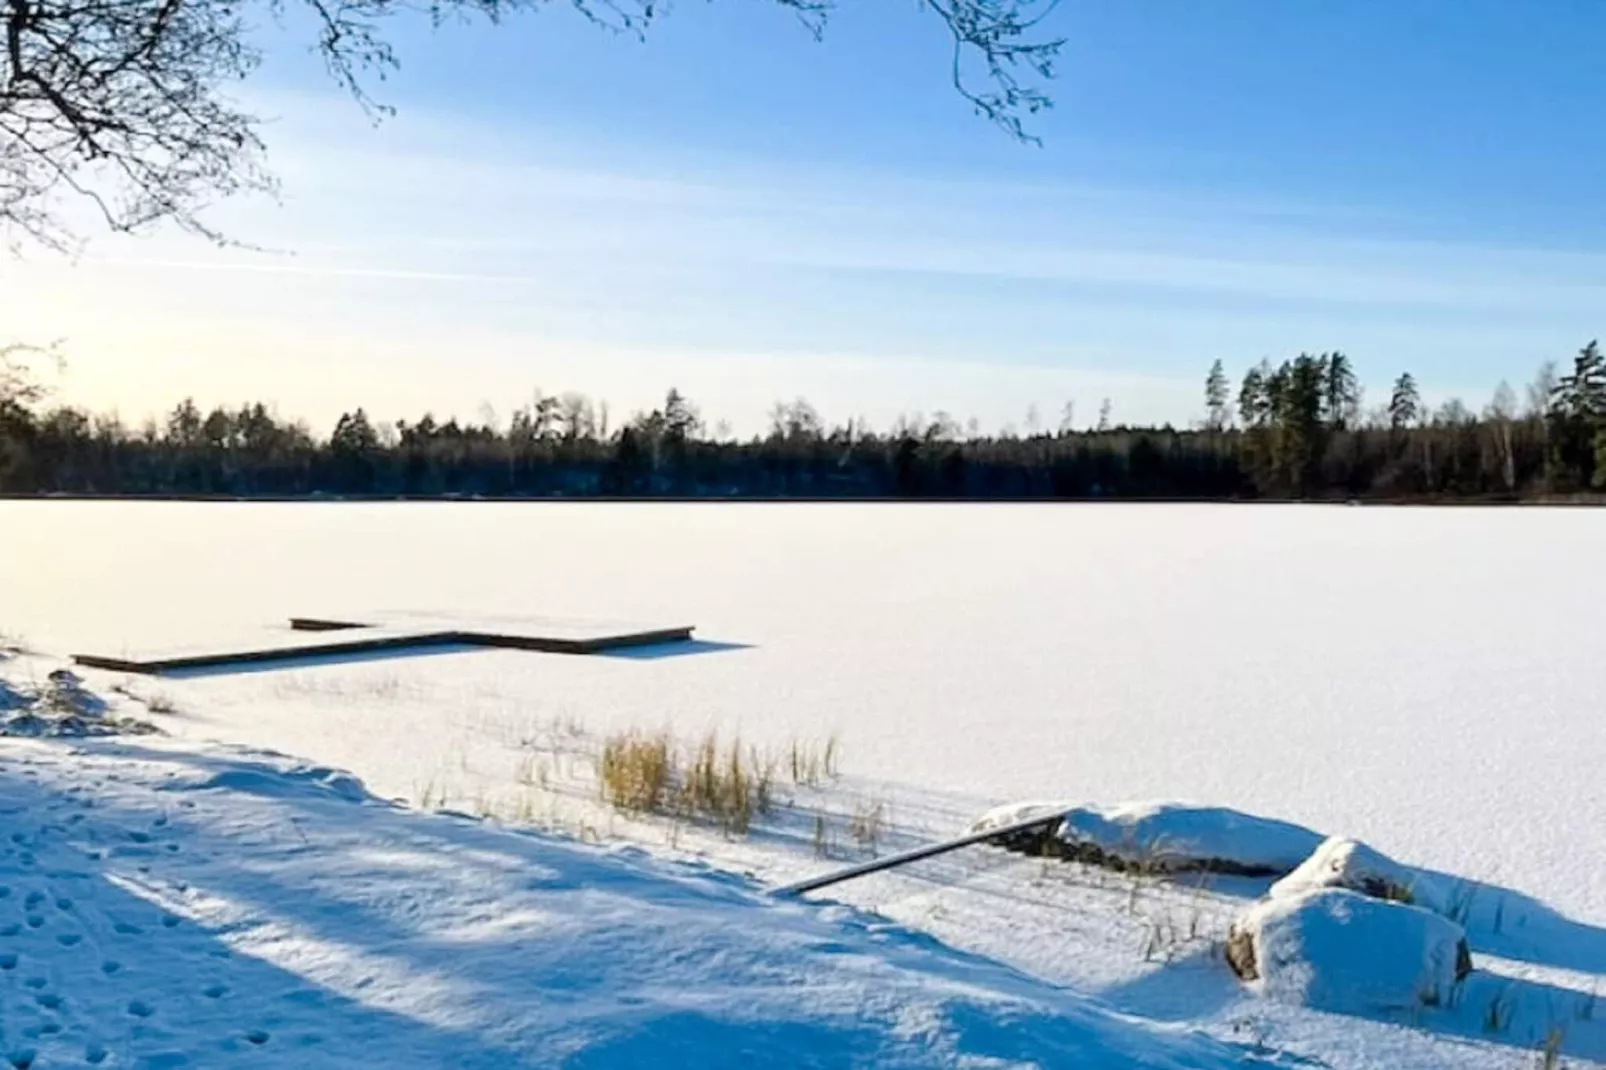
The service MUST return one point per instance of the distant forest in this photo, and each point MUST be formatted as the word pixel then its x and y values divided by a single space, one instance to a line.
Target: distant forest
pixel 1297 429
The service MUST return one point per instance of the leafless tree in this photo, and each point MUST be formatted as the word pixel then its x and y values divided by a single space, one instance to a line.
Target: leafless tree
pixel 21 383
pixel 123 102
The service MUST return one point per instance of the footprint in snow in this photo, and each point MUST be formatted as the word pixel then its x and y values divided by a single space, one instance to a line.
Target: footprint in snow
pixel 257 1036
pixel 35 920
pixel 169 920
pixel 48 1000
pixel 94 1055
pixel 110 966
pixel 123 928
pixel 21 1058
pixel 8 960
pixel 140 1009
pixel 33 900
pixel 215 991
pixel 10 930
pixel 36 982
pixel 63 903
pixel 69 939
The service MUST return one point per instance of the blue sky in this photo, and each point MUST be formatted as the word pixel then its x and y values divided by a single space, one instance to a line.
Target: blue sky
pixel 734 209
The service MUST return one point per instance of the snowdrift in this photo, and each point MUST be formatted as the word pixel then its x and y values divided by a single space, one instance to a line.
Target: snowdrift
pixel 208 907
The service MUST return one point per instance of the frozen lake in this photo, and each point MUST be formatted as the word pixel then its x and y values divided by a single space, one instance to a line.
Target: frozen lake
pixel 1431 680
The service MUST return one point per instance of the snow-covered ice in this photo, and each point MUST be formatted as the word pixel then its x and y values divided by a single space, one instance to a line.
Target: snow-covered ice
pixel 1425 680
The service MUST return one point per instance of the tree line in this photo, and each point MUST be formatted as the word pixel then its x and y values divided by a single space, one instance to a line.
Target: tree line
pixel 1297 429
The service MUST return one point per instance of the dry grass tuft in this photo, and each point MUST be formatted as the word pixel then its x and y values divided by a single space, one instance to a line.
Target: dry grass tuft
pixel 1550 1050
pixel 868 822
pixel 726 784
pixel 812 764
pixel 637 771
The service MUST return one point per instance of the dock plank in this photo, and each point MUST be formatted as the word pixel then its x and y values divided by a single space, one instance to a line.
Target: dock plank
pixel 324 636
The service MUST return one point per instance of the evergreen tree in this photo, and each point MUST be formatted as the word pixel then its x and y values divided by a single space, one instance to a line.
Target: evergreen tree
pixel 681 420
pixel 1300 387
pixel 1405 405
pixel 1254 406
pixel 1216 409
pixel 1582 393
pixel 353 433
pixel 1576 416
pixel 1341 390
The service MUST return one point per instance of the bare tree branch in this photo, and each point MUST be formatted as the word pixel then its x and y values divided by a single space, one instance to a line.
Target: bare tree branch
pixel 122 102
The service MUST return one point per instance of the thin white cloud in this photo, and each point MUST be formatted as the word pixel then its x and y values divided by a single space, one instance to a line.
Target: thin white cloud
pixel 437 266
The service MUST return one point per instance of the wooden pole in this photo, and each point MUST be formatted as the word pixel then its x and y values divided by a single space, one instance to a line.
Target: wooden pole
pixel 916 854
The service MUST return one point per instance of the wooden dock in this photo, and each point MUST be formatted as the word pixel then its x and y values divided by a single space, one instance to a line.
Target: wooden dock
pixel 329 636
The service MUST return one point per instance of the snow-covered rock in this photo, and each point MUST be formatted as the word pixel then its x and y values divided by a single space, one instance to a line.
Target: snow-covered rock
pixel 1339 950
pixel 13 699
pixel 66 709
pixel 1014 813
pixel 1344 863
pixel 1176 837
pixel 67 694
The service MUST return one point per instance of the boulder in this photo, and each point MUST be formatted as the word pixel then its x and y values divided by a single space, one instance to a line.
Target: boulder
pixel 1159 837
pixel 1040 841
pixel 1343 863
pixel 1014 813
pixel 12 699
pixel 1168 837
pixel 66 694
pixel 28 725
pixel 1339 950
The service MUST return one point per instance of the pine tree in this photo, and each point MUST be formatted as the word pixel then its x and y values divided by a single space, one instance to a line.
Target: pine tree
pixel 1341 390
pixel 1302 438
pixel 1216 407
pixel 1582 394
pixel 1405 405
pixel 1254 406
pixel 1575 419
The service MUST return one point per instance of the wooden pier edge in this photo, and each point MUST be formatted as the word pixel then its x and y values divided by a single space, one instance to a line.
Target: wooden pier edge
pixel 350 637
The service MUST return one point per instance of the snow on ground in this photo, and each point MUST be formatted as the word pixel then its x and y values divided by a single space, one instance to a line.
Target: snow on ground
pixel 1424 680
pixel 1146 949
pixel 169 905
